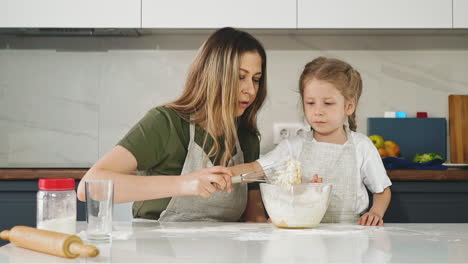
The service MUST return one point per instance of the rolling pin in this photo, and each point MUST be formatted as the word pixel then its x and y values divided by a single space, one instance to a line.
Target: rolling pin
pixel 49 242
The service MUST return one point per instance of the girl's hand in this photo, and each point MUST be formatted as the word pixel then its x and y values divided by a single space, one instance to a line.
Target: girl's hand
pixel 370 219
pixel 206 181
pixel 316 179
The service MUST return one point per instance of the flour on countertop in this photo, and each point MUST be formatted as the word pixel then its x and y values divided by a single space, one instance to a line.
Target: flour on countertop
pixel 197 230
pixel 116 235
pixel 253 236
pixel 247 233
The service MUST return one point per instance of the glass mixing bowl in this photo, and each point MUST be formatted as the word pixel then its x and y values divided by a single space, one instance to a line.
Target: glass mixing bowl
pixel 299 206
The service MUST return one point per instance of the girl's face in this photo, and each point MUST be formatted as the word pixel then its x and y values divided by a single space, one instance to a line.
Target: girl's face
pixel 325 107
pixel 250 73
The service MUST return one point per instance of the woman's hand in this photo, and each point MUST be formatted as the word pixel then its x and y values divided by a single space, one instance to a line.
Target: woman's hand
pixel 370 219
pixel 205 182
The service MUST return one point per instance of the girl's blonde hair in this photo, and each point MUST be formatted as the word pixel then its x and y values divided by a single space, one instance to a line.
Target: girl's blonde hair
pixel 340 74
pixel 212 90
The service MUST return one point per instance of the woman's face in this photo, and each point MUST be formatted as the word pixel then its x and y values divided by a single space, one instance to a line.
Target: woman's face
pixel 250 73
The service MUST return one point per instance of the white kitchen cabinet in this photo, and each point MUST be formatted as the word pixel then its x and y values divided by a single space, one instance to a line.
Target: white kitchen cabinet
pixel 460 13
pixel 70 13
pixel 218 13
pixel 375 13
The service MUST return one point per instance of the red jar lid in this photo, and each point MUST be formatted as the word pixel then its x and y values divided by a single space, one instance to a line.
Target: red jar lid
pixel 421 114
pixel 56 184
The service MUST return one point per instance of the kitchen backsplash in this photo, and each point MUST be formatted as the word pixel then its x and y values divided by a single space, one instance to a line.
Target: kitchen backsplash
pixel 64 102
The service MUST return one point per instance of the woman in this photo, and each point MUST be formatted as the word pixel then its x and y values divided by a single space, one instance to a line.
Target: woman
pixel 213 122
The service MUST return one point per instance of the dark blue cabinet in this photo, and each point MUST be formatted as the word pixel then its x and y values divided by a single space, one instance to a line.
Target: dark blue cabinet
pixel 18 204
pixel 428 202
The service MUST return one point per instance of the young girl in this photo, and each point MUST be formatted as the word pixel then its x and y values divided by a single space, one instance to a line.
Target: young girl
pixel 213 122
pixel 333 152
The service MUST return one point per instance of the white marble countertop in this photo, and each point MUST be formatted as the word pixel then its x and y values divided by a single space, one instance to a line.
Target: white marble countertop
pixel 138 242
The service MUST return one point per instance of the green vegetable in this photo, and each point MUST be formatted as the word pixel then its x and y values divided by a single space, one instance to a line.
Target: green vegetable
pixel 421 158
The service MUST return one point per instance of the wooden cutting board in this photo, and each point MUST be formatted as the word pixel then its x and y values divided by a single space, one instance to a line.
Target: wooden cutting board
pixel 458 126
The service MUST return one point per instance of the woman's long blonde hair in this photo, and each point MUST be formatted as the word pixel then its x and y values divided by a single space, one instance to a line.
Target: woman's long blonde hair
pixel 211 90
pixel 340 74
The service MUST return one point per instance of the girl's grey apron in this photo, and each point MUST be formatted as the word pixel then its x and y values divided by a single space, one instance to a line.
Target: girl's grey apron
pixel 336 164
pixel 220 206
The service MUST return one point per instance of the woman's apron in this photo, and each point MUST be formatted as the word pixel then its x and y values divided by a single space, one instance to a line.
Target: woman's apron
pixel 337 165
pixel 220 206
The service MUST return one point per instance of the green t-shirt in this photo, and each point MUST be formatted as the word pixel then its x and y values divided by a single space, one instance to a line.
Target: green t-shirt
pixel 159 142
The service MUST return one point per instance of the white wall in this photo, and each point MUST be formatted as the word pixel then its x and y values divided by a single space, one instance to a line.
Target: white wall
pixel 64 102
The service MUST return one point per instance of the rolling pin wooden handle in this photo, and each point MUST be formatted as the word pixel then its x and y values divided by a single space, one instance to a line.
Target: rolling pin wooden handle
pixel 5 235
pixel 83 250
pixel 49 242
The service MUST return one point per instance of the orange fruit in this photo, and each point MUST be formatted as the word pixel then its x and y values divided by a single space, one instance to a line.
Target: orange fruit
pixel 392 148
pixel 383 153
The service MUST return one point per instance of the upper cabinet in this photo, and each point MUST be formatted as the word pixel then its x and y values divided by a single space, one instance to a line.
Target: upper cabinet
pixel 460 13
pixel 261 14
pixel 218 13
pixel 70 13
pixel 375 13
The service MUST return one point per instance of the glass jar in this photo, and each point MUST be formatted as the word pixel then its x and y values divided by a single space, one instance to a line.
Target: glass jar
pixel 56 205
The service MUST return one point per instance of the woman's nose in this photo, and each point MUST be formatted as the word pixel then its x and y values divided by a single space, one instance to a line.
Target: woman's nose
pixel 248 87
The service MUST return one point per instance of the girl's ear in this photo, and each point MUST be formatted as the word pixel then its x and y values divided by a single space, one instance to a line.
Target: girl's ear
pixel 350 107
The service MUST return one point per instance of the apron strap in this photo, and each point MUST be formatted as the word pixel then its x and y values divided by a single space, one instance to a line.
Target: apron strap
pixel 192 132
pixel 192 138
pixel 238 147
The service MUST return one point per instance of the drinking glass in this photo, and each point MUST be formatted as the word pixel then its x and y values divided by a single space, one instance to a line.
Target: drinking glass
pixel 99 207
